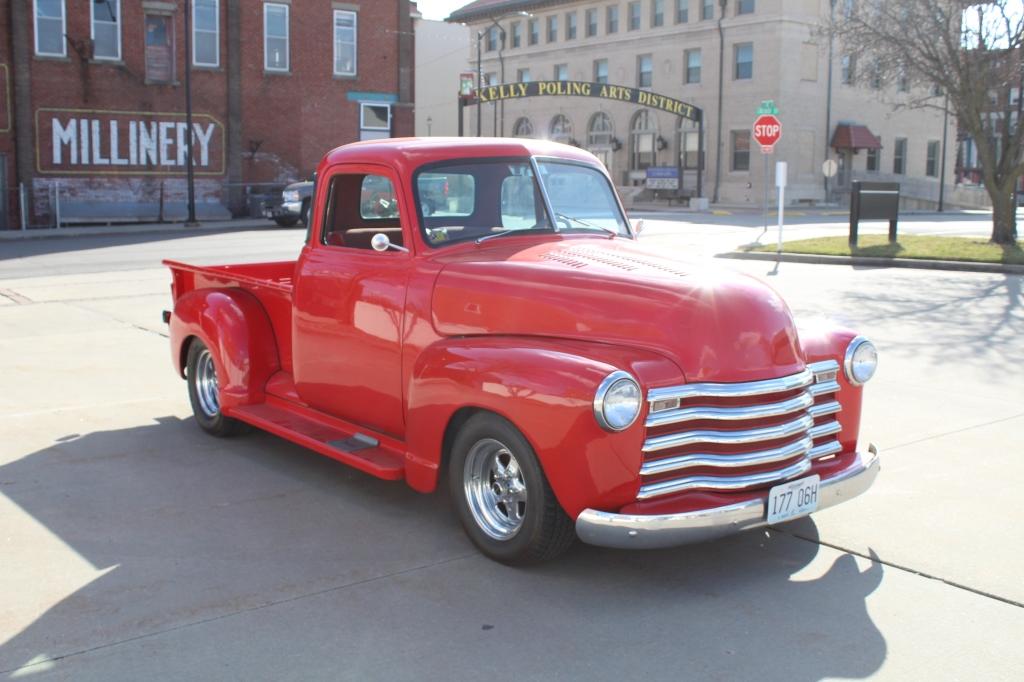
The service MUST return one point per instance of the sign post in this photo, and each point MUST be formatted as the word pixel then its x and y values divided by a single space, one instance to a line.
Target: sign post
pixel 767 131
pixel 780 182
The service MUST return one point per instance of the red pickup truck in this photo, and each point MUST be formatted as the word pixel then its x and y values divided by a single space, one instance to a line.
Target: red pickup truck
pixel 514 338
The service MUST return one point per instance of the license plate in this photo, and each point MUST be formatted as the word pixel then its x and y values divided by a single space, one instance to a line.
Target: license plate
pixel 793 499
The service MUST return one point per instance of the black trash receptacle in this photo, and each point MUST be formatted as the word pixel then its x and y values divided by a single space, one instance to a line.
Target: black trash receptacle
pixel 874 201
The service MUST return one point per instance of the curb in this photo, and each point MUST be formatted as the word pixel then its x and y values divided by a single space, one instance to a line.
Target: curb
pixel 870 261
pixel 136 229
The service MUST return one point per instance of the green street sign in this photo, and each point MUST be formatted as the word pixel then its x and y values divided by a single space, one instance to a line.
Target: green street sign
pixel 768 107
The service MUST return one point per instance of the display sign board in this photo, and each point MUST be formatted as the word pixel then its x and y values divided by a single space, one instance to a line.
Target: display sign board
pixel 494 93
pixel 467 80
pixel 662 177
pixel 94 142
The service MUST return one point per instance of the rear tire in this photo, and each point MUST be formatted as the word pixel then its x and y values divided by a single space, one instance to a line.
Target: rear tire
pixel 204 394
pixel 501 495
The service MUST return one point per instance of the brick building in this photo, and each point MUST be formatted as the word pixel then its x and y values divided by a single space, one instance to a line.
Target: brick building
pixel 92 100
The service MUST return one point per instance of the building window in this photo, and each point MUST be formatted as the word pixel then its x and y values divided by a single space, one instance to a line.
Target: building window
pixel 682 11
pixel 490 78
pixel 634 15
pixel 657 13
pixel 275 37
pixel 591 23
pixel 534 27
pixel 931 167
pixel 612 19
pixel 645 71
pixel 692 66
pixel 552 29
pixel 50 28
pixel 744 58
pixel 847 69
pixel 523 75
pixel 707 10
pixel 159 49
pixel 522 128
pixel 570 26
pixel 375 116
pixel 206 33
pixel 902 82
pixel 600 70
pixel 517 34
pixel 745 7
pixel 561 72
pixel 740 150
pixel 644 133
pixel 491 44
pixel 345 24
pixel 106 29
pixel 876 76
pixel 689 145
pixel 899 156
pixel 600 132
pixel 872 160
pixel 561 129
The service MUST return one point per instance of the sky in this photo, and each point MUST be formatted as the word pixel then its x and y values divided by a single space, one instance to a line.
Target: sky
pixel 439 9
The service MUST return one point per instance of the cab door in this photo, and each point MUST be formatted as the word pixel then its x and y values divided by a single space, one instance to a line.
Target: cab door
pixel 349 300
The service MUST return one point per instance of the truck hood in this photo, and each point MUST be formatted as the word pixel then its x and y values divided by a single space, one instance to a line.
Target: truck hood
pixel 716 325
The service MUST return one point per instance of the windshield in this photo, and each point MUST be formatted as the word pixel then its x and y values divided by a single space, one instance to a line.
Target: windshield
pixel 581 198
pixel 480 199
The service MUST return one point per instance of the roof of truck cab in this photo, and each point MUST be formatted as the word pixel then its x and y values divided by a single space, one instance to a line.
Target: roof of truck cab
pixel 410 152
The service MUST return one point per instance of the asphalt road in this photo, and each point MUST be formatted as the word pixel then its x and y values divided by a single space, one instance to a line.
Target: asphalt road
pixel 134 546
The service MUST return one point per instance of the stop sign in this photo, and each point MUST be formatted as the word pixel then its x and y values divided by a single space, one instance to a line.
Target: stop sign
pixel 767 130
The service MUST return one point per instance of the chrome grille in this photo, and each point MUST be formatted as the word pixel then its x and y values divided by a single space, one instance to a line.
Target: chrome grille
pixel 739 436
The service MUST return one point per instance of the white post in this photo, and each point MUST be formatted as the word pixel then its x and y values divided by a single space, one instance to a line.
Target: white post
pixel 780 182
pixel 22 206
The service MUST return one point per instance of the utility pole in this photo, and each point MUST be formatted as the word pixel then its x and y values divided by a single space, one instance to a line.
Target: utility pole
pixel 721 81
pixel 479 82
pixel 189 170
pixel 828 96
pixel 945 136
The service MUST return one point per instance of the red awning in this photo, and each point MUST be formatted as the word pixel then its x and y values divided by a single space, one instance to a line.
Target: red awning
pixel 854 137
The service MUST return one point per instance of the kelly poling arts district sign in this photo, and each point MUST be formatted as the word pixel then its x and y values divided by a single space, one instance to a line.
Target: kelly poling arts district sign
pixel 98 142
pixel 620 93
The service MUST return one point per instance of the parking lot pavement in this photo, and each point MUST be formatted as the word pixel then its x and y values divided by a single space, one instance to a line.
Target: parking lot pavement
pixel 133 545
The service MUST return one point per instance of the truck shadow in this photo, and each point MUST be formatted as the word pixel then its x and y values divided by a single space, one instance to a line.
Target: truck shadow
pixel 173 532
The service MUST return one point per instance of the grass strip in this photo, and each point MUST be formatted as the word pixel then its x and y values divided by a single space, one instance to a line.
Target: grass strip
pixel 908 246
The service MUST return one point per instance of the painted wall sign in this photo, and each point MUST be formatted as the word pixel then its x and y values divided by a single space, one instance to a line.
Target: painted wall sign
pixel 493 93
pixel 94 142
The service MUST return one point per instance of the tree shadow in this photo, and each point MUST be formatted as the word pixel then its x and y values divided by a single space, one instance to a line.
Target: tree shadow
pixel 184 530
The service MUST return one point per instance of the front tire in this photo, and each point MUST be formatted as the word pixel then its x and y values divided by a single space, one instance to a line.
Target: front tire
pixel 501 495
pixel 204 393
pixel 286 222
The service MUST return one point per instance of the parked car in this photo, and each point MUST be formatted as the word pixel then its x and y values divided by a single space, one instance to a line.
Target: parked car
pixel 522 348
pixel 294 206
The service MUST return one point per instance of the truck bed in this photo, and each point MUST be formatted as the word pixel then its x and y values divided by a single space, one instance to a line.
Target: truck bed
pixel 270 283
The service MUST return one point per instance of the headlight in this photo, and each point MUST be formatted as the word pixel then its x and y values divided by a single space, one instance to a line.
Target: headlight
pixel 861 361
pixel 617 401
pixel 290 195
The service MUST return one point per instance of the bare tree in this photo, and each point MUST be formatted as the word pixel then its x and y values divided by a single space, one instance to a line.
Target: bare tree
pixel 967 50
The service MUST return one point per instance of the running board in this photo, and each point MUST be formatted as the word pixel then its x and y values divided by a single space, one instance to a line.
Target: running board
pixel 358 450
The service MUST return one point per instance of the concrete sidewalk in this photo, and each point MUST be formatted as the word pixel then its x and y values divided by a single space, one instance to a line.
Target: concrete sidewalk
pixel 140 228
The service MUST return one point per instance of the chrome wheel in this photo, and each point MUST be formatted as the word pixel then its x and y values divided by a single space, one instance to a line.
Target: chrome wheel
pixel 206 384
pixel 495 489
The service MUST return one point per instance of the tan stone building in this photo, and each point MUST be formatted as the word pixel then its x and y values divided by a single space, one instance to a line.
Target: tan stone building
pixel 758 50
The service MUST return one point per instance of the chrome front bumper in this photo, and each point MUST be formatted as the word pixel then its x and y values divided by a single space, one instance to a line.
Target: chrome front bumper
pixel 628 531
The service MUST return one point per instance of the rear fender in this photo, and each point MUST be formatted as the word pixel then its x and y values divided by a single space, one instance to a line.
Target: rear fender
pixel 546 389
pixel 236 329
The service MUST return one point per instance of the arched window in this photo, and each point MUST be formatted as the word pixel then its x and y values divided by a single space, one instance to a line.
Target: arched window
pixel 522 128
pixel 688 141
pixel 600 132
pixel 561 129
pixel 643 133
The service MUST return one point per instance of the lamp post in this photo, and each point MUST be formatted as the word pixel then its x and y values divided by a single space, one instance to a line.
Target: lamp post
pixel 501 60
pixel 189 171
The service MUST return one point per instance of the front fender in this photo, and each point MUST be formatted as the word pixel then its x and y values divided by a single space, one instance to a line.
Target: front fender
pixel 236 329
pixel 546 389
pixel 824 341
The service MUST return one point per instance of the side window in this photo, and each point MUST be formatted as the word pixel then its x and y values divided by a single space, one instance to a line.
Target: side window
pixel 518 202
pixel 359 206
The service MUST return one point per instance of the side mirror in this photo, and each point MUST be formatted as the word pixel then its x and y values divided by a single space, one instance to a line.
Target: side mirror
pixel 381 242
